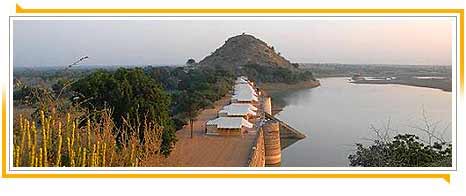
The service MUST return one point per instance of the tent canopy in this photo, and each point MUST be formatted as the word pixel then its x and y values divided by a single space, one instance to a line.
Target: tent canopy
pixel 230 123
pixel 237 110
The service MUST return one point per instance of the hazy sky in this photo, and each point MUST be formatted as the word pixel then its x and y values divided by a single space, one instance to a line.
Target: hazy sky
pixel 130 42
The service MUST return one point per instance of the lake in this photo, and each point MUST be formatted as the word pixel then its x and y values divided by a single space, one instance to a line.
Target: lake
pixel 339 114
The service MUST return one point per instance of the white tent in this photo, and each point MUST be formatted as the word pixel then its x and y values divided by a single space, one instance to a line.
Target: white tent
pixel 243 91
pixel 243 97
pixel 244 87
pixel 241 81
pixel 236 110
pixel 251 107
pixel 230 123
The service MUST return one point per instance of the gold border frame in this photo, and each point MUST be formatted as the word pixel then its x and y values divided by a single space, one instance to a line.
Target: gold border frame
pixel 21 10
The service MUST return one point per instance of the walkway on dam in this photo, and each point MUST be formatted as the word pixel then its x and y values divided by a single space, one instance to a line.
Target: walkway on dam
pixel 205 151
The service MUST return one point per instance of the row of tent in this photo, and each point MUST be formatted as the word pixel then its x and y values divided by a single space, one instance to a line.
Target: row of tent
pixel 234 117
pixel 244 91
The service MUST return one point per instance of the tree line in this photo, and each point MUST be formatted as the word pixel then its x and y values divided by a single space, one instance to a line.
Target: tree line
pixel 169 96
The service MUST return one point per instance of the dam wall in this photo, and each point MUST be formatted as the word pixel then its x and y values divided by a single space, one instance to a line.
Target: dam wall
pixel 257 155
pixel 267 148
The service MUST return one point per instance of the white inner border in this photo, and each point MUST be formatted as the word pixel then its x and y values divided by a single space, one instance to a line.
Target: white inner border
pixel 454 18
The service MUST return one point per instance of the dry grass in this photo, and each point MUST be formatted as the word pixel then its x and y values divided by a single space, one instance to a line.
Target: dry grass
pixel 67 140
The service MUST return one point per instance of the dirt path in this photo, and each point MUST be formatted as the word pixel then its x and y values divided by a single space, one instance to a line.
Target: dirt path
pixel 203 150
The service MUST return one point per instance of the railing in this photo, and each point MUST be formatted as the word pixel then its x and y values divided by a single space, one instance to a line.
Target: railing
pixel 297 133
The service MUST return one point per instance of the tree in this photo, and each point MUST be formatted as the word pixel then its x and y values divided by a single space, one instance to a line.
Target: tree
pixel 191 104
pixel 207 84
pixel 132 96
pixel 275 74
pixel 190 62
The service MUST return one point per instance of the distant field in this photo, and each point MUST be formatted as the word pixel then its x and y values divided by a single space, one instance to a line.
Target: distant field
pixel 411 75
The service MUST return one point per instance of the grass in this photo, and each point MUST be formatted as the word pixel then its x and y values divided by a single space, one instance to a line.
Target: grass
pixel 67 140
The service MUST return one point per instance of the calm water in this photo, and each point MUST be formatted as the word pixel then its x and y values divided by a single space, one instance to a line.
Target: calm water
pixel 338 114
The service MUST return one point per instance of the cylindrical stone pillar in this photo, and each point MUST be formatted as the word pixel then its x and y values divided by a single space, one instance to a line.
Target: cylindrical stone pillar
pixel 268 105
pixel 273 153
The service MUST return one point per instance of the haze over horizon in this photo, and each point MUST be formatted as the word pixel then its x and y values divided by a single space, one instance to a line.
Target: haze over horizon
pixel 172 42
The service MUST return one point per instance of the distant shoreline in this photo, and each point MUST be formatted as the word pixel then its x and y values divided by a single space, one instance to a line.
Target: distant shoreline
pixel 275 90
pixel 434 84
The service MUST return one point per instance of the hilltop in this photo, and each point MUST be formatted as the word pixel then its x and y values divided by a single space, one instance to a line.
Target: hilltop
pixel 243 50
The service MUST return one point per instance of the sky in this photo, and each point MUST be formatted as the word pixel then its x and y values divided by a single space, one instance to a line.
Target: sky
pixel 426 41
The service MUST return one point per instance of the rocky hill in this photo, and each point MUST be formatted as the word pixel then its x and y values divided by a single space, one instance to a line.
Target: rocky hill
pixel 246 49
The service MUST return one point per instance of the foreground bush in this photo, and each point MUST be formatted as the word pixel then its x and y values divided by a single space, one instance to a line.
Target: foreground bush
pixel 402 151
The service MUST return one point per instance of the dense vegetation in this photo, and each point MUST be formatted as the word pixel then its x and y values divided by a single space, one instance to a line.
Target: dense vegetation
pixel 402 151
pixel 132 96
pixel 275 74
pixel 191 89
pixel 53 128
pixel 169 96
